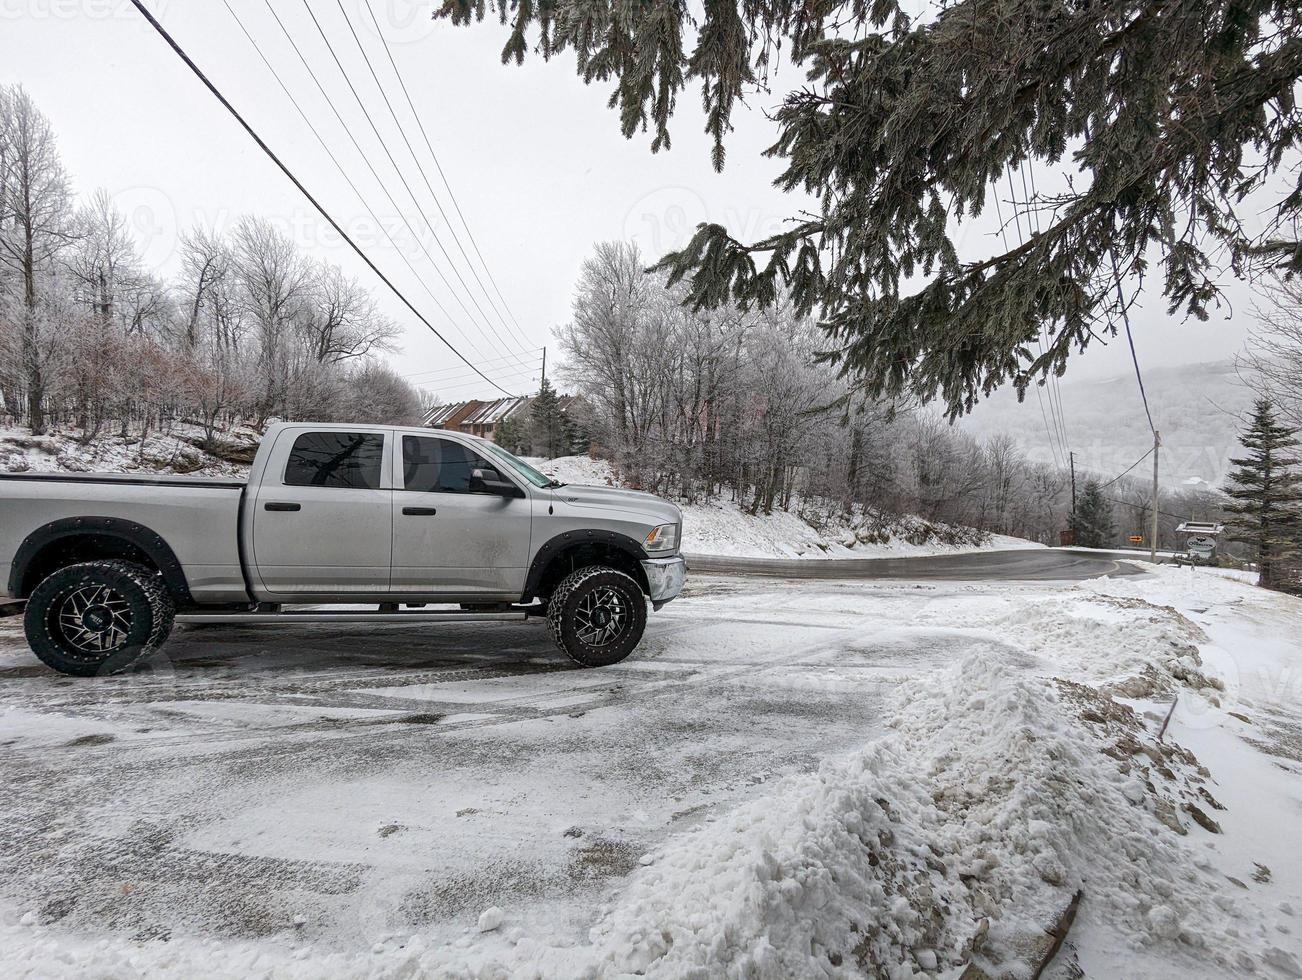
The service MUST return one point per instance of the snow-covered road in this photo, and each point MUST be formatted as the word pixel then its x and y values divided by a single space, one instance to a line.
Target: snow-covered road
pixel 369 780
pixel 352 799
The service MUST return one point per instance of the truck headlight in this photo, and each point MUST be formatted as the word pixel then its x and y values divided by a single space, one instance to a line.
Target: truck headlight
pixel 662 538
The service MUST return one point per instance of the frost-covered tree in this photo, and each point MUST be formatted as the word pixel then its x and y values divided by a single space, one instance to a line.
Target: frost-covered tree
pixel 1266 488
pixel 341 320
pixel 1273 361
pixel 376 394
pixel 1168 114
pixel 36 225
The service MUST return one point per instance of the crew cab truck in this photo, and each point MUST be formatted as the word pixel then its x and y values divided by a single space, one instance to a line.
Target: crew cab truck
pixel 395 524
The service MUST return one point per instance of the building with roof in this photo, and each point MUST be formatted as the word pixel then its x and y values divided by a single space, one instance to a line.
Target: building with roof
pixel 478 418
pixel 482 418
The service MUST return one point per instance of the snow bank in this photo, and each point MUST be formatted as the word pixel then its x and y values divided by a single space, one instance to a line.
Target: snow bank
pixel 986 804
pixel 723 528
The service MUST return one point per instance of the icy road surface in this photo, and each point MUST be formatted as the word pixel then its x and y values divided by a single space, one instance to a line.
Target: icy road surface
pixel 341 783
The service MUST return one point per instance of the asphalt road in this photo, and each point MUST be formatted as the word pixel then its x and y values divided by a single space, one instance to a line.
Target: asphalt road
pixel 330 784
pixel 1030 564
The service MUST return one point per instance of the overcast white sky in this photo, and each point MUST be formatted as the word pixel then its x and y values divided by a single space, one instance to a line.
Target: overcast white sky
pixel 535 159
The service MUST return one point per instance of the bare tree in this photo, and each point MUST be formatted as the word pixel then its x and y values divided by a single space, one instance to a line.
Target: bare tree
pixel 340 320
pixel 104 263
pixel 35 226
pixel 274 281
pixel 205 264
pixel 1273 362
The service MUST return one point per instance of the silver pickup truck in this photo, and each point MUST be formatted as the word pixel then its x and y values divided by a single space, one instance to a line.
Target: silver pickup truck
pixel 395 524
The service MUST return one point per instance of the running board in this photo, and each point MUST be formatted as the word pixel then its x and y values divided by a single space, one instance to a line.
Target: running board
pixel 351 616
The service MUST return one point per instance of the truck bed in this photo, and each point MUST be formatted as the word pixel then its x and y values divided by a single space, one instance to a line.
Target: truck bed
pixel 198 517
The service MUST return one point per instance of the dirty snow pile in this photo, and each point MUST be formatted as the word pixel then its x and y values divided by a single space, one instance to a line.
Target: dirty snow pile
pixel 721 527
pixel 957 839
pixel 1128 646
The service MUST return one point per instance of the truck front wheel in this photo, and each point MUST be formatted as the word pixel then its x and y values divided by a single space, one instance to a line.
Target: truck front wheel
pixel 97 617
pixel 597 615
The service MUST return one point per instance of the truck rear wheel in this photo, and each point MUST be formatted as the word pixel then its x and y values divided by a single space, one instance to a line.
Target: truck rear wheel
pixel 597 615
pixel 98 617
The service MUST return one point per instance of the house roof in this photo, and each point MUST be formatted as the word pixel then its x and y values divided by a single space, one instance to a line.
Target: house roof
pixel 440 413
pixel 476 412
pixel 490 413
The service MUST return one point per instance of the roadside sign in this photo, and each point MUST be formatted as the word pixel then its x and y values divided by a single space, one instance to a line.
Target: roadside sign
pixel 1210 528
pixel 1136 539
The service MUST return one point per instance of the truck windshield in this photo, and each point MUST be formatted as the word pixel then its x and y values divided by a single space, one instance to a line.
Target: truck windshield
pixel 519 465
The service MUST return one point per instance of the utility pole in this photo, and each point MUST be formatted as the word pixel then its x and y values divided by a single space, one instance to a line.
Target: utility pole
pixel 544 369
pixel 1071 456
pixel 1157 443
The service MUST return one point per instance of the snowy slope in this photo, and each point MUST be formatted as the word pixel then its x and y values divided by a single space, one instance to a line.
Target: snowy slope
pixel 723 528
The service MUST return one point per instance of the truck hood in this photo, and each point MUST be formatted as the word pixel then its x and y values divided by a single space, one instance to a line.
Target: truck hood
pixel 646 506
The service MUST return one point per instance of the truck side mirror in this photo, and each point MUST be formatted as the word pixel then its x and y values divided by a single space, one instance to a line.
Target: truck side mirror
pixel 490 481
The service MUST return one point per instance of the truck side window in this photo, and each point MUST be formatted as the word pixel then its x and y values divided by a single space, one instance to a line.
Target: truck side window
pixel 347 460
pixel 438 465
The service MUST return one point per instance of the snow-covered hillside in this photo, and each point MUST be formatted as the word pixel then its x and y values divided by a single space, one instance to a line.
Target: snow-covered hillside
pixel 722 528
pixel 1199 409
pixel 63 450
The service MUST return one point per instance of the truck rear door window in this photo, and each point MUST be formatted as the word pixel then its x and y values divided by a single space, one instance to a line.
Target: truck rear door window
pixel 438 465
pixel 347 460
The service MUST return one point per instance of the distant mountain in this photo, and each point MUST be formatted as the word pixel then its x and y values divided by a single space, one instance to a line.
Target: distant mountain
pixel 1196 407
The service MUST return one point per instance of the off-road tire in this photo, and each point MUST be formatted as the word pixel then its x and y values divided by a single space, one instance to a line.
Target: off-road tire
pixel 563 615
pixel 151 613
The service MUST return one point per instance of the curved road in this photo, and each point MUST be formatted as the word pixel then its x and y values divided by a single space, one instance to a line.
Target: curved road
pixel 1029 564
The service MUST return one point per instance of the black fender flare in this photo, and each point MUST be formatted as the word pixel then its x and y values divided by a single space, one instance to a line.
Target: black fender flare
pixel 137 535
pixel 571 540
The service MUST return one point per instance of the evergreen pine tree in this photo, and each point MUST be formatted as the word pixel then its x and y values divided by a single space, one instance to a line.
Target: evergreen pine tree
pixel 510 435
pixel 908 123
pixel 545 417
pixel 574 435
pixel 1267 490
pixel 1092 520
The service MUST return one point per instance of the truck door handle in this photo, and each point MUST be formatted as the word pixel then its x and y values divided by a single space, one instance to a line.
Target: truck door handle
pixel 419 511
pixel 281 505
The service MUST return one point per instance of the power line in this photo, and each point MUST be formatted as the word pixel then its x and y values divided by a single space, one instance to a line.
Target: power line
pixel 180 53
pixel 1134 357
pixel 453 372
pixel 343 171
pixel 1056 447
pixel 453 385
pixel 1127 469
pixel 384 189
pixel 438 166
pixel 422 375
pixel 517 335
pixel 1055 388
pixel 403 180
